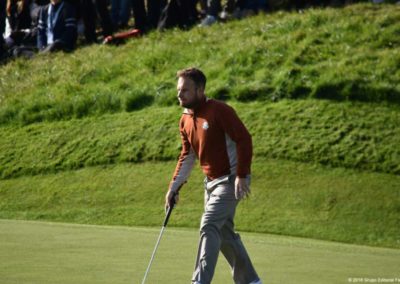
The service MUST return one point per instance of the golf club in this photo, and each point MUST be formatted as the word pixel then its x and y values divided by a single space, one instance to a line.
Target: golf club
pixel 161 233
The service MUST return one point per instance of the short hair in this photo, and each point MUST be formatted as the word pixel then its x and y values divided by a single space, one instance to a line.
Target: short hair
pixel 196 75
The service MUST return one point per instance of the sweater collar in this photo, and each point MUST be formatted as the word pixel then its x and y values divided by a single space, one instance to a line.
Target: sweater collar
pixel 195 110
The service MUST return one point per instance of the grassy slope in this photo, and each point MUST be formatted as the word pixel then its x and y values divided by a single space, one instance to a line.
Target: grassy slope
pixel 349 54
pixel 352 135
pixel 288 198
pixel 342 54
pixel 44 253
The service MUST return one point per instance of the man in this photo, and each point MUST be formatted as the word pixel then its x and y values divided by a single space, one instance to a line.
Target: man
pixel 212 132
pixel 57 27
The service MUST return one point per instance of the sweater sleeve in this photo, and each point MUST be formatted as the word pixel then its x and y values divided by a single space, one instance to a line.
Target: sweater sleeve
pixel 185 163
pixel 235 129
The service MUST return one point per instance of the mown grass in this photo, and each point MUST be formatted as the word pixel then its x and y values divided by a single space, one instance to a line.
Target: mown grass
pixel 287 198
pixel 47 253
pixel 107 112
pixel 352 135
pixel 337 54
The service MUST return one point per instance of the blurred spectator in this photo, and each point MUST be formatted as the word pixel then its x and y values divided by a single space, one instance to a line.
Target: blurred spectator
pixel 180 13
pixel 139 13
pixel 2 27
pixel 18 14
pixel 57 27
pixel 203 7
pixel 235 7
pixel 212 11
pixel 145 20
pixel 120 12
pixel 154 9
pixel 89 11
pixel 22 39
pixel 256 5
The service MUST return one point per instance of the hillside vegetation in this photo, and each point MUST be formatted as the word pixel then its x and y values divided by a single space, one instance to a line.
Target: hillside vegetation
pixel 352 135
pixel 92 136
pixel 338 54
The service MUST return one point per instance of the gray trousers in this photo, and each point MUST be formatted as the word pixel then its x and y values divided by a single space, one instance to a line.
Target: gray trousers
pixel 217 234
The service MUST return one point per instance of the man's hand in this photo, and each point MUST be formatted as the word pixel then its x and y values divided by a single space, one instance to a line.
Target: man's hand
pixel 242 188
pixel 168 199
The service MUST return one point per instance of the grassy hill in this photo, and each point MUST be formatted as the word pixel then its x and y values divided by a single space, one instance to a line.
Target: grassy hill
pixel 91 136
pixel 351 135
pixel 339 54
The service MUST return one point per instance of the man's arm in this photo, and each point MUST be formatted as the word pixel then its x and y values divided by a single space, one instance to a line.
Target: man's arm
pixel 234 127
pixel 236 130
pixel 183 169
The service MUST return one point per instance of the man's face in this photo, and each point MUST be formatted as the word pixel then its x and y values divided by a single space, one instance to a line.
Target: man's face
pixel 188 94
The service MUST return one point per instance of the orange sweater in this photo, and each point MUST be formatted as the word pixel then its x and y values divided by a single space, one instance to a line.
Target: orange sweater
pixel 214 134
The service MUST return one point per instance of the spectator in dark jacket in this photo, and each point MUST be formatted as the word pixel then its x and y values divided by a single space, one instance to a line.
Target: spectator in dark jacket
pixel 146 20
pixel 18 14
pixel 140 15
pixel 154 9
pixel 22 39
pixel 2 27
pixel 89 10
pixel 178 13
pixel 57 27
pixel 120 13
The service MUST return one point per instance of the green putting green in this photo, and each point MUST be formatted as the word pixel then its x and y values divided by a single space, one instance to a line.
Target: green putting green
pixel 40 252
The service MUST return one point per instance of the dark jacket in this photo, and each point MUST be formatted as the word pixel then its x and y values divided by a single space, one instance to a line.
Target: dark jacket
pixel 64 28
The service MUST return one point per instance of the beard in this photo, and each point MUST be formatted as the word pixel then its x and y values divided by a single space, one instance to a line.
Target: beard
pixel 190 104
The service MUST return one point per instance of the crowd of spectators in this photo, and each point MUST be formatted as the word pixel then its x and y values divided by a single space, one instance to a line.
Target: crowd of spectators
pixel 31 26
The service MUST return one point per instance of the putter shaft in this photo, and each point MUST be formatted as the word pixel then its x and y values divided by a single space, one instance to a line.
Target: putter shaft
pixel 159 237
pixel 154 253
